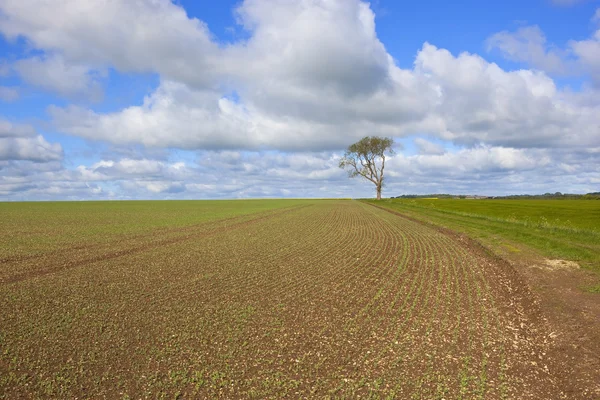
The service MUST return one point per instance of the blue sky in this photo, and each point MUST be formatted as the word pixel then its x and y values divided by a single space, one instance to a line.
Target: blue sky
pixel 259 98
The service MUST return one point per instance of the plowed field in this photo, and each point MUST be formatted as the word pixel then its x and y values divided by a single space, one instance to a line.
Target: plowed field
pixel 309 299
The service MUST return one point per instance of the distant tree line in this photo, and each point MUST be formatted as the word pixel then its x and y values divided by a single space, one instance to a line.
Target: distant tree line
pixel 556 195
pixel 421 196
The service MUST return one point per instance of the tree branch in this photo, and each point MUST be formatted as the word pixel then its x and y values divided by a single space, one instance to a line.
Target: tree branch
pixel 363 157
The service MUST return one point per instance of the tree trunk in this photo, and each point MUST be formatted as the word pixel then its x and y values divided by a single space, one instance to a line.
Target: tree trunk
pixel 379 192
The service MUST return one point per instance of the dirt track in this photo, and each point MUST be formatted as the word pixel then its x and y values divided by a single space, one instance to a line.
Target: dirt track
pixel 337 298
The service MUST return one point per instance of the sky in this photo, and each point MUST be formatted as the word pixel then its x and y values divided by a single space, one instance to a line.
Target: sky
pixel 198 99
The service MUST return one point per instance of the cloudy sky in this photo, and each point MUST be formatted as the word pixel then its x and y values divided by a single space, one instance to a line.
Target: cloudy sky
pixel 144 99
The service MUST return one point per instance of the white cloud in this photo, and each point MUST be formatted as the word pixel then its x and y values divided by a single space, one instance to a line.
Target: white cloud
pixel 298 89
pixel 225 174
pixel 313 44
pixel 215 175
pixel 39 185
pixel 464 99
pixel 311 75
pixel 4 69
pixel 162 186
pixel 481 103
pixel 173 116
pixel 177 116
pixel 127 168
pixel 20 142
pixel 11 130
pixel 33 149
pixel 466 162
pixel 588 53
pixel 528 44
pixel 494 171
pixel 8 94
pixel 309 78
pixel 429 148
pixel 132 36
pixel 54 74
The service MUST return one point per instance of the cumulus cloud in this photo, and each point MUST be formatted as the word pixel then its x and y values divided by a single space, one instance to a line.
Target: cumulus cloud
pixel 173 116
pixel 481 103
pixel 29 180
pixel 33 149
pixel 314 76
pixel 464 99
pixel 20 142
pixel 588 53
pixel 232 174
pixel 427 147
pixel 270 113
pixel 528 44
pixel 214 174
pixel 466 162
pixel 54 74
pixel 11 130
pixel 132 36
pixel 176 115
pixel 494 171
pixel 53 190
pixel 165 187
pixel 313 44
pixel 4 68
pixel 8 94
pixel 310 76
pixel 126 168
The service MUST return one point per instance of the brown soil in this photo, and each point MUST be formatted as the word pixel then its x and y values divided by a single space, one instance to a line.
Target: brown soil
pixel 573 316
pixel 335 300
pixel 570 314
pixel 80 255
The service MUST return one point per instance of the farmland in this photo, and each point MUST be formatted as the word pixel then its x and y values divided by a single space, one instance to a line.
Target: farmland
pixel 262 299
pixel 564 229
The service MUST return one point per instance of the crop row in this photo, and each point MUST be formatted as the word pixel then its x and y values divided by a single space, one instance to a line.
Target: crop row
pixel 328 299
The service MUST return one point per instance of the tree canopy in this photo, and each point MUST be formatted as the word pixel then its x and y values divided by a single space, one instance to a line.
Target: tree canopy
pixel 366 158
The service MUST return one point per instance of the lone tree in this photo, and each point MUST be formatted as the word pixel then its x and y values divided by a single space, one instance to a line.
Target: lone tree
pixel 366 158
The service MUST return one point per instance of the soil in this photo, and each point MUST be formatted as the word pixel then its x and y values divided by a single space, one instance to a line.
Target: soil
pixel 574 317
pixel 336 299
pixel 569 313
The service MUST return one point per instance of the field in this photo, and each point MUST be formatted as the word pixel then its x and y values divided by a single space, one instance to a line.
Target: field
pixel 563 229
pixel 263 299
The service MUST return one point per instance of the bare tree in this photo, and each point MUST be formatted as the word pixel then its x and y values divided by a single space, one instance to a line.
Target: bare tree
pixel 366 158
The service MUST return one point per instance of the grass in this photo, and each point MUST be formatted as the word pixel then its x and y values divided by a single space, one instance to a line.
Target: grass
pixel 561 229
